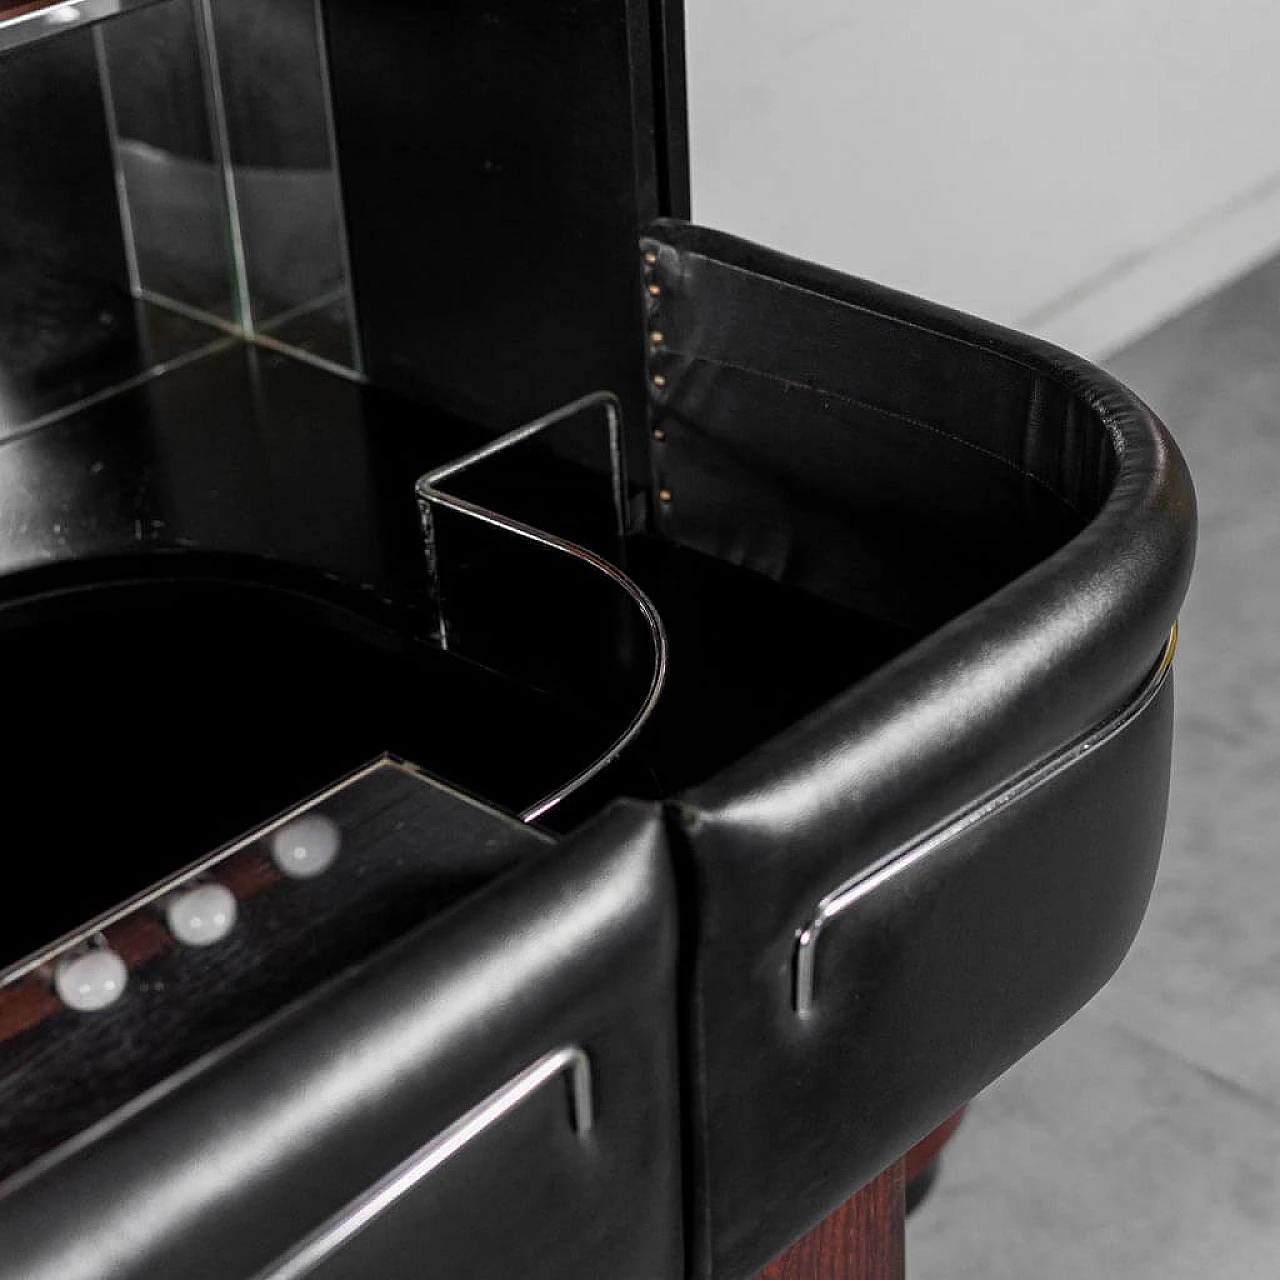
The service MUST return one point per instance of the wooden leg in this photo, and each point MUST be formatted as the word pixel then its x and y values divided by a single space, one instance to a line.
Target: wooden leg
pixel 922 1160
pixel 862 1240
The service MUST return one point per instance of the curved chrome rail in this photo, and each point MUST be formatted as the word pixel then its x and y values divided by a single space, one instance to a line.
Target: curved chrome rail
pixel 431 495
pixel 857 887
pixel 353 1218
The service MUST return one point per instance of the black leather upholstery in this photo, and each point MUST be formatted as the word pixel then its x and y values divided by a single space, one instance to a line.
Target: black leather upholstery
pixel 932 475
pixel 926 468
pixel 217 1173
pixel 983 542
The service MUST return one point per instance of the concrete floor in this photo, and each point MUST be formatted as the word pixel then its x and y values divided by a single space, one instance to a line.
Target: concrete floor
pixel 1143 1139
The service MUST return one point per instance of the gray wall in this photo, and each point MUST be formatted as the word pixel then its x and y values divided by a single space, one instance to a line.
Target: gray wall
pixel 1082 168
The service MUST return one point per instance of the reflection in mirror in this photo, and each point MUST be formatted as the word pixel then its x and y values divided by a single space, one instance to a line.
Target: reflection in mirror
pixel 173 194
pixel 279 138
pixel 180 192
pixel 73 325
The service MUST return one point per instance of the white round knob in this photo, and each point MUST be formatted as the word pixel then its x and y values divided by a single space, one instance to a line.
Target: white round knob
pixel 91 980
pixel 201 916
pixel 307 846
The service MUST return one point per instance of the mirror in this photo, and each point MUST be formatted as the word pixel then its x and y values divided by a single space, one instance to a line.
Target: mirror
pixel 181 192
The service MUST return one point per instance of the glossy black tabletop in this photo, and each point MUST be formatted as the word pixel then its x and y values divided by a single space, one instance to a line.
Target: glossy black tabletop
pixel 214 601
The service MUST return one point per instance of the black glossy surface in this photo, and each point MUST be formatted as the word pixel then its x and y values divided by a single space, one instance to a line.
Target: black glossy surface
pixel 277 126
pixel 748 658
pixel 276 501
pixel 497 171
pixel 74 345
pixel 671 108
pixel 58 212
pixel 68 327
pixel 245 452
pixel 178 714
pixel 269 630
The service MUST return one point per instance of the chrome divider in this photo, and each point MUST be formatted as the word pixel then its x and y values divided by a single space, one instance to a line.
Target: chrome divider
pixel 431 496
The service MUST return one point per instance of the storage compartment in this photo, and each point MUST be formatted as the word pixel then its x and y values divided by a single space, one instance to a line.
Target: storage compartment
pixel 202 647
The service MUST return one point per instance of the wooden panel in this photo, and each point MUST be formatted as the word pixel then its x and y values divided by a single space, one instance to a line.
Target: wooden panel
pixel 14 10
pixel 862 1240
pixel 929 1148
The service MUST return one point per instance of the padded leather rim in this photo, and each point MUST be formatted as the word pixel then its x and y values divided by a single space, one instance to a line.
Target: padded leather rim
pixel 1025 671
pixel 847 895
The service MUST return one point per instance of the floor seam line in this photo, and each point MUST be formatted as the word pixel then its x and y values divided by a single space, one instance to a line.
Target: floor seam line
pixel 1213 1076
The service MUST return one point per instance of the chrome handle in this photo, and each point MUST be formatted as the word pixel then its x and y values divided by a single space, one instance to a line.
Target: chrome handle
pixel 361 1212
pixel 919 847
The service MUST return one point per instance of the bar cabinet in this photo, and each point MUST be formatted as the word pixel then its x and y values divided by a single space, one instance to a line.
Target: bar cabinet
pixel 544 739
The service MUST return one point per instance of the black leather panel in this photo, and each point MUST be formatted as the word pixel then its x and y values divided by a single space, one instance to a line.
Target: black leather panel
pixel 1035 519
pixel 926 989
pixel 219 1172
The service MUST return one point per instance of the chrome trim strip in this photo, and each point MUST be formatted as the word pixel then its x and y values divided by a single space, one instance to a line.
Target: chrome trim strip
pixel 429 494
pixel 907 855
pixel 322 1243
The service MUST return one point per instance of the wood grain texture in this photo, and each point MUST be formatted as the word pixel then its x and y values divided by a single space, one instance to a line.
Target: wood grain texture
pixel 929 1148
pixel 15 10
pixel 136 939
pixel 861 1240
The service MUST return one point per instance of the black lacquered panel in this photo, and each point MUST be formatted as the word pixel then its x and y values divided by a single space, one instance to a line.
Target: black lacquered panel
pixel 497 170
